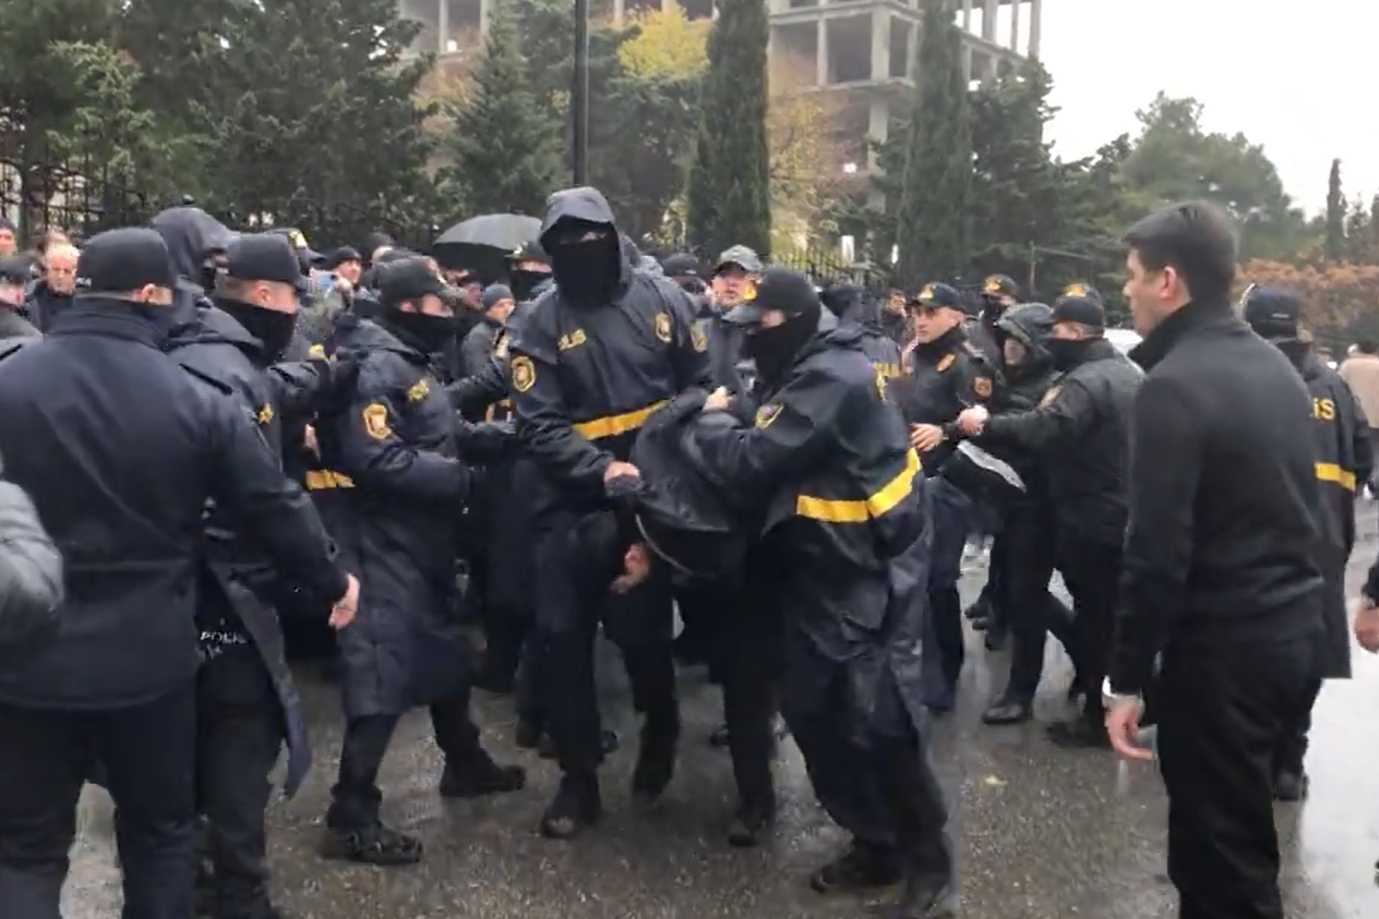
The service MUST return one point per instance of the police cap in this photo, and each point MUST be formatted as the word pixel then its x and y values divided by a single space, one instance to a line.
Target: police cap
pixel 14 270
pixel 742 257
pixel 1082 310
pixel 264 257
pixel 943 296
pixel 998 285
pixel 1273 313
pixel 118 261
pixel 410 279
pixel 779 289
pixel 1084 291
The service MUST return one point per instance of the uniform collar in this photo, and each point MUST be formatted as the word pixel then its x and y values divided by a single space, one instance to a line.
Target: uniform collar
pixel 106 317
pixel 1193 317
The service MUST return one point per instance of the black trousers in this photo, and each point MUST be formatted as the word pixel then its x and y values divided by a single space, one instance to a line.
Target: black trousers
pixel 149 754
pixel 1221 712
pixel 1033 611
pixel 505 633
pixel 356 797
pixel 239 735
pixel 1091 570
pixel 1292 745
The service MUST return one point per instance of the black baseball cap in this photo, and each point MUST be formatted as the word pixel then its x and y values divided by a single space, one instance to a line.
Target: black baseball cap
pixel 1083 290
pixel 1273 313
pixel 779 289
pixel 118 261
pixel 410 279
pixel 14 270
pixel 1085 310
pixel 265 257
pixel 943 296
pixel 1000 285
pixel 682 265
pixel 343 254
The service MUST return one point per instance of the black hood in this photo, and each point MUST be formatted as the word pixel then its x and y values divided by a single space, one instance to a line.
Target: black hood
pixel 361 336
pixel 851 303
pixel 590 206
pixel 190 233
pixel 1031 324
pixel 1301 355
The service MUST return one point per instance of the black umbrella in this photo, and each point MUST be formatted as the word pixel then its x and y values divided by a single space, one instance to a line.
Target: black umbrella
pixel 484 244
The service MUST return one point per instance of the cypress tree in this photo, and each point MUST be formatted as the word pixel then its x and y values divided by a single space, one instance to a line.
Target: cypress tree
pixel 730 183
pixel 1335 215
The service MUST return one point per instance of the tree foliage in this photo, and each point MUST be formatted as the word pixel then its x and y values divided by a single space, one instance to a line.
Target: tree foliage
pixel 1335 214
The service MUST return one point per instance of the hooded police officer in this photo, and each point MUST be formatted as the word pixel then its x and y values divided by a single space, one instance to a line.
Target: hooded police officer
pixel 1344 460
pixel 121 449
pixel 593 359
pixel 999 293
pixel 394 450
pixel 825 469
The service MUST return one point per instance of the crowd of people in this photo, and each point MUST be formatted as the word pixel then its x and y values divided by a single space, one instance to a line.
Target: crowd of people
pixel 214 440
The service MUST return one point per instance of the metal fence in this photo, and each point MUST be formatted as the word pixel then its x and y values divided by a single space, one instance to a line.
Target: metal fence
pixel 79 198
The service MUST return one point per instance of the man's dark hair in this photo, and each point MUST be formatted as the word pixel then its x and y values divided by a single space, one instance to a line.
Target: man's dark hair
pixel 1367 346
pixel 1196 239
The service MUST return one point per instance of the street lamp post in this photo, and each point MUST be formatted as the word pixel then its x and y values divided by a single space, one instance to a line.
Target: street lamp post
pixel 579 104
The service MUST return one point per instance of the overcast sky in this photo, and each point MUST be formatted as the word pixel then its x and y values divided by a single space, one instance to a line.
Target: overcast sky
pixel 1297 78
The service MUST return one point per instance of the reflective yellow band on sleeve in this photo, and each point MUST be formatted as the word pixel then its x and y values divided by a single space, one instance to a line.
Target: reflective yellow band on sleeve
pixel 843 511
pixel 1330 472
pixel 325 479
pixel 613 425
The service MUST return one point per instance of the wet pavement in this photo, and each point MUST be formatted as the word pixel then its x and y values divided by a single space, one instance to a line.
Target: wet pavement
pixel 1046 833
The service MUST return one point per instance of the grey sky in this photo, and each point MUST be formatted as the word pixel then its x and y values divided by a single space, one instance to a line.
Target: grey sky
pixel 1297 80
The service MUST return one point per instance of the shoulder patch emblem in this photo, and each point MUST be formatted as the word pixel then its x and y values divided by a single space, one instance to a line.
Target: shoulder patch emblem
pixel 572 340
pixel 523 373
pixel 419 391
pixel 376 421
pixel 265 415
pixel 881 378
pixel 982 387
pixel 1050 395
pixel 663 327
pixel 947 362
pixel 316 351
pixel 699 338
pixel 767 414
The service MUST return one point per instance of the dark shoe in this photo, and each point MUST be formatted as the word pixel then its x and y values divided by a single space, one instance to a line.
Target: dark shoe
pixel 1079 734
pixel 927 897
pixel 720 737
pixel 749 825
pixel 996 638
pixel 375 845
pixel 980 623
pixel 528 734
pixel 862 867
pixel 577 804
pixel 609 742
pixel 481 776
pixel 942 701
pixel 1291 786
pixel 1007 711
pixel 498 683
pixel 655 759
pixel 980 609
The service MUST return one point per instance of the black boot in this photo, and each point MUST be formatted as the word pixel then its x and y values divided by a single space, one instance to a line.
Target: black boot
pixel 479 776
pixel 577 805
pixel 372 845
pixel 1008 710
pixel 927 896
pixel 1081 733
pixel 751 821
pixel 862 867
pixel 655 758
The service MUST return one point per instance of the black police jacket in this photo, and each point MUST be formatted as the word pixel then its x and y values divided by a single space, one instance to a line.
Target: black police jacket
pixel 14 326
pixel 43 305
pixel 30 577
pixel 1221 546
pixel 941 379
pixel 120 448
pixel 1081 431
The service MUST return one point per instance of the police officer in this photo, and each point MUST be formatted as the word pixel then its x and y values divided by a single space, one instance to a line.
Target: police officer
pixel 120 450
pixel 1343 461
pixel 477 347
pixel 825 463
pixel 945 373
pixel 1081 430
pixel 14 274
pixel 395 451
pixel 596 356
pixel 851 305
pixel 999 293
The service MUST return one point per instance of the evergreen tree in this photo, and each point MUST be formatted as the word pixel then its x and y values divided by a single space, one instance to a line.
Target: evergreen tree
pixel 505 146
pixel 730 183
pixel 1335 215
pixel 938 166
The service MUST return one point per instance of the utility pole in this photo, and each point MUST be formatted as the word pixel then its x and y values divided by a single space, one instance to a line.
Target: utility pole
pixel 579 105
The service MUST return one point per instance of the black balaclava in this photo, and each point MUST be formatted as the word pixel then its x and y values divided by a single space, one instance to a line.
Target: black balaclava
pixel 774 349
pixel 524 283
pixel 273 328
pixel 429 334
pixel 1067 352
pixel 587 273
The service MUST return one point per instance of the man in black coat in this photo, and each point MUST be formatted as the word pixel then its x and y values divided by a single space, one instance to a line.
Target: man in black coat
pixel 394 449
pixel 1344 461
pixel 121 449
pixel 30 576
pixel 1221 573
pixel 14 274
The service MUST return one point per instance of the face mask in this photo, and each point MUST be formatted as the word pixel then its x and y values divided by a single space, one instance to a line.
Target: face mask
pixel 1066 352
pixel 774 349
pixel 587 272
pixel 272 328
pixel 430 334
pixel 523 283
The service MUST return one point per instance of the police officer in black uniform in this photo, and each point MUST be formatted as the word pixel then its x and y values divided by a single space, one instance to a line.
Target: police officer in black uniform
pixel 853 307
pixel 945 374
pixel 1344 460
pixel 596 356
pixel 825 469
pixel 121 449
pixel 395 450
pixel 246 703
pixel 1081 429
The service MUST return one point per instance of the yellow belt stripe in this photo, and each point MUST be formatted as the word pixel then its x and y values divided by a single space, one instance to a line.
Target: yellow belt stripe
pixel 843 511
pixel 614 425
pixel 324 479
pixel 1330 472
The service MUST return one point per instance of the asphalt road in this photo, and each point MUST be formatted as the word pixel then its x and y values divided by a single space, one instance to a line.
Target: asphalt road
pixel 1045 833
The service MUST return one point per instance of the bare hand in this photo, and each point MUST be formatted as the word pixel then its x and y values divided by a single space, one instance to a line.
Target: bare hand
pixel 1367 625
pixel 636 568
pixel 718 400
pixel 972 421
pixel 309 441
pixel 1122 725
pixel 342 614
pixel 925 437
pixel 617 469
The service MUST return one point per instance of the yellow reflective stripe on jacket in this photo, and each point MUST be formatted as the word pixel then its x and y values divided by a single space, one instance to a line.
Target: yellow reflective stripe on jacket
pixel 1330 472
pixel 613 425
pixel 860 511
pixel 324 479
